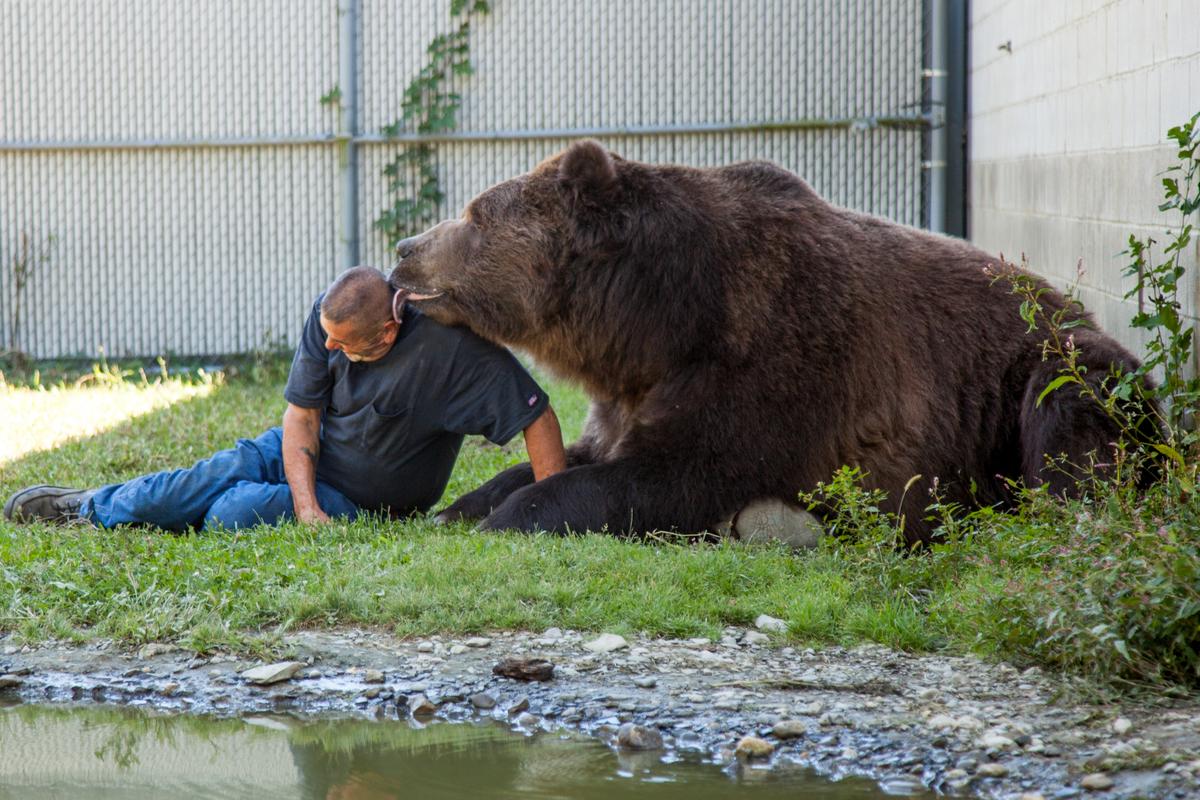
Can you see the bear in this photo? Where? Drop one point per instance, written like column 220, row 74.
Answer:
column 740, row 338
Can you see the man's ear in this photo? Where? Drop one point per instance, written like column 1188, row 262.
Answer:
column 587, row 175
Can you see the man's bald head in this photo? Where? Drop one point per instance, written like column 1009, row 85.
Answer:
column 360, row 296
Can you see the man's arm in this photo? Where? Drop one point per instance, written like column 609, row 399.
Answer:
column 301, row 446
column 543, row 442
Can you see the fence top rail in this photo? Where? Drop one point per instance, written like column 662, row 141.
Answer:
column 899, row 122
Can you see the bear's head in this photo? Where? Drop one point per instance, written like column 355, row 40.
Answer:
column 589, row 262
column 494, row 268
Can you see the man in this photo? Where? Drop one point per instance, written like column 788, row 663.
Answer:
column 379, row 399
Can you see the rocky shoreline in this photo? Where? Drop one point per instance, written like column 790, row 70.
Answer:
column 956, row 725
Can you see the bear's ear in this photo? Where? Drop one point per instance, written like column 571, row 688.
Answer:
column 587, row 174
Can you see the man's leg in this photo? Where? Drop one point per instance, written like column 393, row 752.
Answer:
column 175, row 499
column 248, row 504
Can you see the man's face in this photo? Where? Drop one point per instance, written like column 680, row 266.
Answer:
column 360, row 343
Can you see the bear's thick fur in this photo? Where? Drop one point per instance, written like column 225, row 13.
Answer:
column 741, row 338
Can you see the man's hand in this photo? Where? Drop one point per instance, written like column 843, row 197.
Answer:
column 301, row 447
column 312, row 515
column 543, row 442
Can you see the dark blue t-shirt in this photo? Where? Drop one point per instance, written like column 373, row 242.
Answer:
column 391, row 429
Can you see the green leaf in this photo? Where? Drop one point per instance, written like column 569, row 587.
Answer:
column 1058, row 382
column 1171, row 453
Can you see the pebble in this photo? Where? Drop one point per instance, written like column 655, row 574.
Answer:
column 457, row 649
column 373, row 676
column 1096, row 782
column 754, row 747
column 524, row 669
column 483, row 701
column 994, row 741
column 789, row 729
column 420, row 706
column 639, row 737
column 606, row 643
column 1031, row 796
column 424, row 647
column 478, row 641
column 772, row 624
column 992, row 770
column 552, row 633
column 645, row 681
column 170, row 688
column 273, row 673
column 155, row 649
column 1121, row 726
column 754, row 637
column 519, row 706
column 527, row 720
column 8, row 681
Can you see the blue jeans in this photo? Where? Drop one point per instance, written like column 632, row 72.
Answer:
column 240, row 487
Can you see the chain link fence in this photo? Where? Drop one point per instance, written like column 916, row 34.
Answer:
column 196, row 189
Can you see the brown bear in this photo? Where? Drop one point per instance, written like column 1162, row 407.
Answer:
column 740, row 338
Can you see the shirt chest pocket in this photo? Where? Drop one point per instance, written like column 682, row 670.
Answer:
column 385, row 430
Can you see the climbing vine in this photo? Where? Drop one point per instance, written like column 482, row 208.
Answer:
column 430, row 105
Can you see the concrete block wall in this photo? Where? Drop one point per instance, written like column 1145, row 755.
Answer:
column 1070, row 102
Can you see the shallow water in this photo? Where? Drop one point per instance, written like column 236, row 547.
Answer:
column 92, row 752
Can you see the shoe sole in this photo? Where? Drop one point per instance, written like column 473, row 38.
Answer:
column 10, row 508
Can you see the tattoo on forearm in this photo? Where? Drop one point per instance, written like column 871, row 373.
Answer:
column 311, row 455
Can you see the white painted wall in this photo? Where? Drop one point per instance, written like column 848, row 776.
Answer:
column 1068, row 135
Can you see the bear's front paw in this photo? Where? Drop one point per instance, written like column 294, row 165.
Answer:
column 465, row 509
column 510, row 517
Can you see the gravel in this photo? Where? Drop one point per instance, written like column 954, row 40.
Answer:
column 956, row 725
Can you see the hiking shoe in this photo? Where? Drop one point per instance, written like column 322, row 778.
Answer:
column 59, row 504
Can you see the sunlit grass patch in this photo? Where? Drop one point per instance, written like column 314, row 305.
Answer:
column 42, row 418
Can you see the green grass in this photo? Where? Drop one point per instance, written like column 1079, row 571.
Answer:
column 214, row 588
column 1109, row 587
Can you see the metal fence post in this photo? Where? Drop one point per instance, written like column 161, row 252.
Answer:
column 348, row 36
column 946, row 107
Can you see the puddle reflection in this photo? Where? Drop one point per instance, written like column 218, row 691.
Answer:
column 50, row 752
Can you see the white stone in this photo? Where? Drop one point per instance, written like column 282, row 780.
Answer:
column 1121, row 726
column 606, row 643
column 155, row 649
column 789, row 729
column 552, row 633
column 994, row 741
column 770, row 520
column 754, row 637
column 273, row 673
column 478, row 641
column 768, row 623
column 992, row 770
column 457, row 649
column 425, row 647
column 1097, row 781
column 942, row 721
